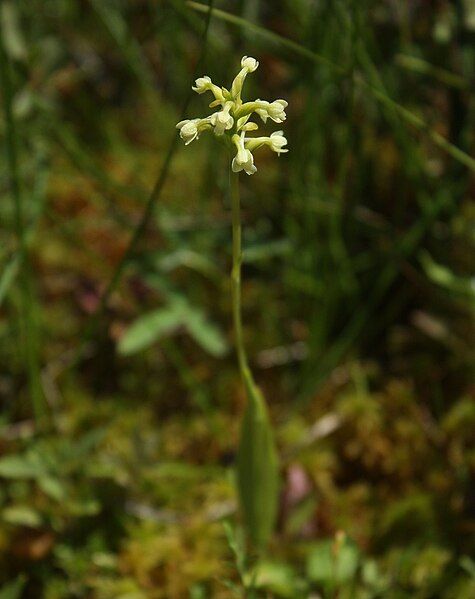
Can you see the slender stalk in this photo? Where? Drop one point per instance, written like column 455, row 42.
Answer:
column 26, row 307
column 236, row 269
column 244, row 369
column 257, row 463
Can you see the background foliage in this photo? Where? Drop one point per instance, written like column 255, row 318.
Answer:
column 358, row 301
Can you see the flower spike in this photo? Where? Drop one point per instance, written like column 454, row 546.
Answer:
column 231, row 121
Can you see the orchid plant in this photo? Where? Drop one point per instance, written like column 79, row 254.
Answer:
column 257, row 465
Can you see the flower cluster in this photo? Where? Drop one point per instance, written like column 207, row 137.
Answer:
column 231, row 122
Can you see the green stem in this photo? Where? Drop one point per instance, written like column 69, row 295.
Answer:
column 27, row 308
column 236, row 269
column 244, row 369
column 257, row 466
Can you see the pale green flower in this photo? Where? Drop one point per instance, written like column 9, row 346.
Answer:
column 222, row 120
column 248, row 65
column 231, row 121
column 275, row 110
column 275, row 142
column 244, row 160
column 191, row 128
column 204, row 84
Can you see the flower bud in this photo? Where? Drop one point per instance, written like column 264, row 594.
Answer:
column 202, row 85
column 249, row 63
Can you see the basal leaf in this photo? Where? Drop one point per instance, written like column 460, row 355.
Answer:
column 257, row 471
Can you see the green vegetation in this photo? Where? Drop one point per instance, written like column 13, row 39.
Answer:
column 121, row 401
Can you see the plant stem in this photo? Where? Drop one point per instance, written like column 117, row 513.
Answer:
column 257, row 466
column 27, row 308
column 244, row 369
column 236, row 269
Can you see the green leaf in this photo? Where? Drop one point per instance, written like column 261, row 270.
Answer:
column 347, row 562
column 257, row 470
column 189, row 259
column 13, row 36
column 320, row 563
column 151, row 327
column 265, row 251
column 468, row 565
column 84, row 507
column 52, row 487
column 278, row 578
column 16, row 466
column 148, row 329
column 443, row 276
column 204, row 332
column 22, row 515
column 7, row 277
column 372, row 577
column 331, row 565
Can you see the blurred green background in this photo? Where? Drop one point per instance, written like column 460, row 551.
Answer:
column 119, row 420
